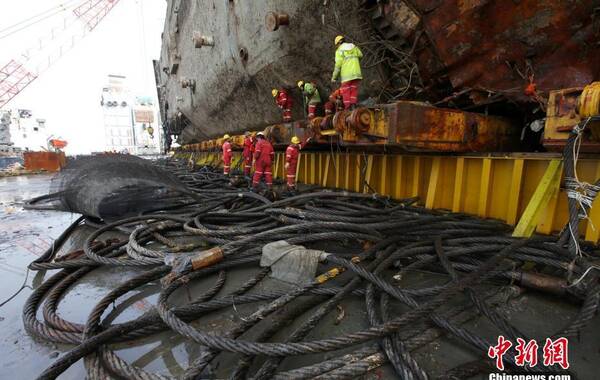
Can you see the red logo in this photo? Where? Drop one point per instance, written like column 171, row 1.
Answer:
column 554, row 352
column 498, row 351
column 526, row 353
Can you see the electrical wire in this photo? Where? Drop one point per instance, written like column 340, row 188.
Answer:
column 54, row 11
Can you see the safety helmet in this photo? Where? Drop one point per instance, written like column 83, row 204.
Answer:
column 295, row 140
column 338, row 39
column 260, row 134
column 274, row 92
column 300, row 83
column 226, row 136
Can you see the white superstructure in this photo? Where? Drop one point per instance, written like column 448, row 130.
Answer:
column 128, row 120
column 21, row 130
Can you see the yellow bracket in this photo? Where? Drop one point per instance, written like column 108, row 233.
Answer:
column 329, row 132
column 539, row 201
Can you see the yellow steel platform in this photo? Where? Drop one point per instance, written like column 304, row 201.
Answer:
column 490, row 186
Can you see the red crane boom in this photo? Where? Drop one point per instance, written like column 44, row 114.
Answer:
column 13, row 79
column 93, row 11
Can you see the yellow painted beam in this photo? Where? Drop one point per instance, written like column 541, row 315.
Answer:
column 368, row 171
column 433, row 182
column 484, row 189
column 276, row 165
column 306, row 161
column 458, row 185
column 313, row 160
column 357, row 174
column 337, row 171
column 539, row 200
column 592, row 231
column 383, row 176
column 514, row 194
column 326, row 171
column 300, row 158
column 320, row 175
column 547, row 216
column 416, row 176
column 347, row 172
column 398, row 174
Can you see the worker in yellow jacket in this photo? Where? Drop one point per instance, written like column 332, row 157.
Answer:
column 347, row 65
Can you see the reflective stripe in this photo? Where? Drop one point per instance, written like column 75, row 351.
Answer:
column 291, row 176
column 268, row 173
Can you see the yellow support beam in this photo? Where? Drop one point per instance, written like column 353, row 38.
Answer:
column 514, row 196
column 539, row 200
column 300, row 158
column 313, row 168
column 347, row 172
column 357, row 174
column 398, row 175
column 276, row 165
column 306, row 161
column 416, row 176
column 368, row 173
column 459, row 181
column 547, row 218
column 383, row 176
column 326, row 171
column 337, row 171
column 592, row 231
column 433, row 182
column 484, row 190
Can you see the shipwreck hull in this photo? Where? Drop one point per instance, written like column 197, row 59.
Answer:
column 220, row 60
column 234, row 78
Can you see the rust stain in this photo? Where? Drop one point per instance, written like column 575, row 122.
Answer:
column 488, row 44
column 49, row 161
column 446, row 130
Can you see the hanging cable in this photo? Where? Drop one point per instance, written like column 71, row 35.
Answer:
column 54, row 11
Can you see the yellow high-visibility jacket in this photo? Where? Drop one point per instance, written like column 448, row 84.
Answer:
column 347, row 62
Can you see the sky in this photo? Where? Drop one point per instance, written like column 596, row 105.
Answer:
column 68, row 93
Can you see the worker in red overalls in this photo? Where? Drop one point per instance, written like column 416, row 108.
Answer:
column 335, row 103
column 226, row 154
column 247, row 152
column 292, row 153
column 283, row 101
column 263, row 158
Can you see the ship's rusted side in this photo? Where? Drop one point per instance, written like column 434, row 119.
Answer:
column 501, row 45
column 497, row 46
